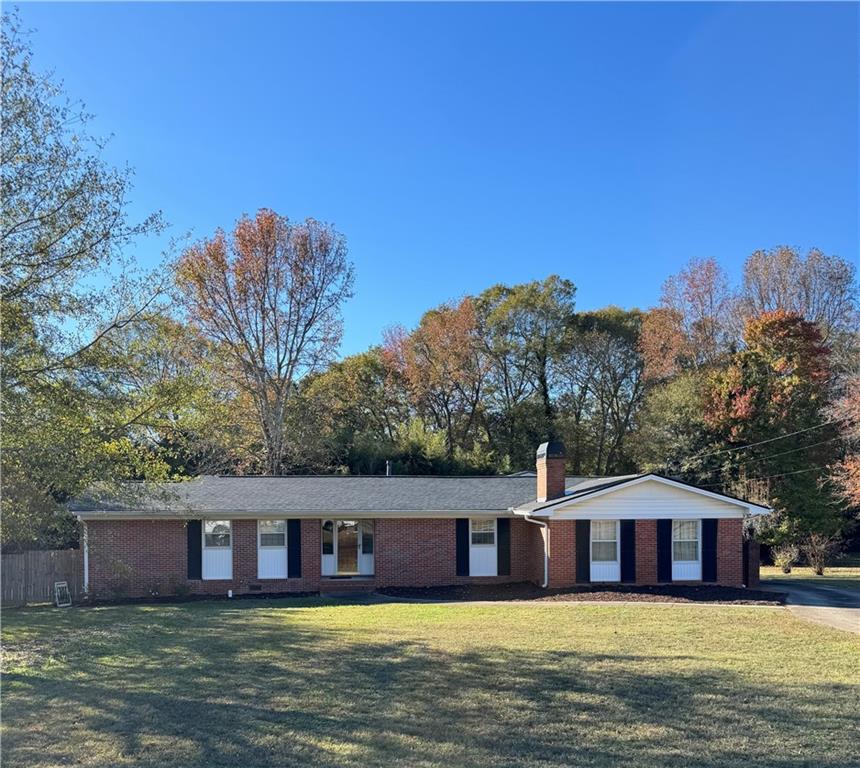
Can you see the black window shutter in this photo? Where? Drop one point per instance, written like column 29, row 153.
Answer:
column 462, row 546
column 664, row 550
column 294, row 549
column 194, row 543
column 583, row 551
column 628, row 550
column 709, row 550
column 503, row 547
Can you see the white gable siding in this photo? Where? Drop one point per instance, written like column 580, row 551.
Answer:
column 649, row 500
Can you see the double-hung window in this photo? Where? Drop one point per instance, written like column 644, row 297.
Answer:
column 604, row 541
column 217, row 549
column 605, row 565
column 483, row 533
column 686, row 550
column 272, row 549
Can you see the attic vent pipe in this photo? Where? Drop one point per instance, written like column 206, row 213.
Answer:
column 388, row 468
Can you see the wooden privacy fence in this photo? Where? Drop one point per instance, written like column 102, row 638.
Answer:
column 28, row 577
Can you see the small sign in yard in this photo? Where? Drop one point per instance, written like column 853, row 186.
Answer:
column 62, row 596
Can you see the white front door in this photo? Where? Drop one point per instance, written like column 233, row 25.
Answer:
column 347, row 547
column 605, row 562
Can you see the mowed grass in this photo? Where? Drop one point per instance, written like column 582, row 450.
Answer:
column 843, row 577
column 310, row 683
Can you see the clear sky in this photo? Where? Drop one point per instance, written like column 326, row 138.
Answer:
column 460, row 145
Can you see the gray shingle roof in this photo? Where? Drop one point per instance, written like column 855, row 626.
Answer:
column 310, row 494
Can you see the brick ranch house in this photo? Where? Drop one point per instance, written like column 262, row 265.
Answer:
column 237, row 535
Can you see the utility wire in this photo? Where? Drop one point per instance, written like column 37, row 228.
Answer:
column 762, row 442
column 766, row 477
column 793, row 450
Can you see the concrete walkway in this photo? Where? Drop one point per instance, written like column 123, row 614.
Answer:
column 831, row 606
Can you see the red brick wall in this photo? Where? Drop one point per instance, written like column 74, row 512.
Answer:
column 646, row 551
column 422, row 552
column 730, row 554
column 562, row 553
column 137, row 558
column 562, row 567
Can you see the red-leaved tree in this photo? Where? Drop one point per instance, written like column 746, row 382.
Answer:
column 269, row 297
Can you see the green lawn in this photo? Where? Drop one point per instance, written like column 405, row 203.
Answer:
column 843, row 577
column 309, row 683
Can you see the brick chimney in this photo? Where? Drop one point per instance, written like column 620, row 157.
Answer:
column 550, row 471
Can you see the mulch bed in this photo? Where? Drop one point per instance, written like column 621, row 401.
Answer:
column 610, row 592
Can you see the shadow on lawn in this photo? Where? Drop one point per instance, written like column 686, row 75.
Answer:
column 180, row 691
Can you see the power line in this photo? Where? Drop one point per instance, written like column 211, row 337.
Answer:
column 766, row 477
column 762, row 442
column 792, row 450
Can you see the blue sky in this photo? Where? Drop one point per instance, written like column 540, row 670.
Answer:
column 461, row 145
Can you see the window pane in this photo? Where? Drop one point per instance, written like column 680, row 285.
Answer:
column 272, row 540
column 328, row 538
column 366, row 537
column 273, row 526
column 603, row 530
column 603, row 551
column 685, row 550
column 685, row 530
column 484, row 532
column 217, row 533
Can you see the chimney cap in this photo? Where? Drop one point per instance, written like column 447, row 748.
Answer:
column 551, row 450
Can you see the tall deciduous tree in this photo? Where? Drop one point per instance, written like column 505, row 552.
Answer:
column 691, row 328
column 525, row 329
column 270, row 295
column 818, row 287
column 846, row 411
column 600, row 389
column 72, row 407
column 443, row 364
column 778, row 387
column 63, row 217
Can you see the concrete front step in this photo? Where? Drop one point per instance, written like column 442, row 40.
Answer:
column 350, row 586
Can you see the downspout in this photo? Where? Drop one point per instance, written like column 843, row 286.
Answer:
column 525, row 516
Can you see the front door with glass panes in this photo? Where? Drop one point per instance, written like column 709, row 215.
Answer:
column 347, row 548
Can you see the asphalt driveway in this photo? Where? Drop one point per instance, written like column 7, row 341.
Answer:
column 834, row 607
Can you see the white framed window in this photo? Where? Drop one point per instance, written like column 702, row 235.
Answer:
column 272, row 549
column 685, row 541
column 217, row 549
column 483, row 533
column 216, row 533
column 604, row 541
column 273, row 533
column 686, row 550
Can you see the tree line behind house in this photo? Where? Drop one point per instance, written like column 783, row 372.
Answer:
column 225, row 360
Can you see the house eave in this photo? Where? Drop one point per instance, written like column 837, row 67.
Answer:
column 269, row 514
